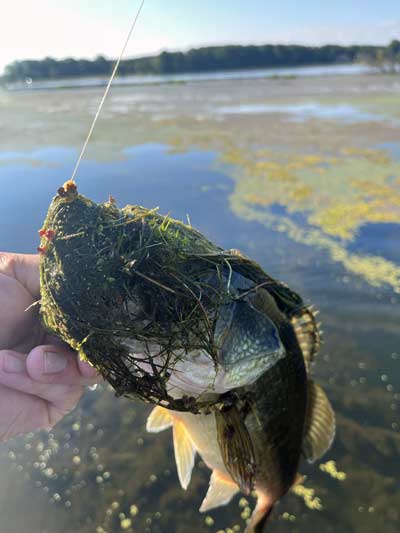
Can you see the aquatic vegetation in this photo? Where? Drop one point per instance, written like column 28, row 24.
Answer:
column 160, row 311
column 309, row 497
column 334, row 197
column 330, row 468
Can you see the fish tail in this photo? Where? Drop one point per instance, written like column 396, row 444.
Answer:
column 260, row 514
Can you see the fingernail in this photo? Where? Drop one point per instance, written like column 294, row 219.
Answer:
column 54, row 363
column 13, row 365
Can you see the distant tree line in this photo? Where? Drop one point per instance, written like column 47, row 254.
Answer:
column 200, row 60
column 385, row 59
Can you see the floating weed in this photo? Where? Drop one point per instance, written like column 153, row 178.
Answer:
column 126, row 523
column 134, row 510
column 308, row 495
column 336, row 194
column 330, row 468
column 288, row 516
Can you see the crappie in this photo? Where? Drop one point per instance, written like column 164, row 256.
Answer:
column 256, row 438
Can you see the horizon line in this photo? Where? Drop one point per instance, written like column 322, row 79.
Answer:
column 198, row 47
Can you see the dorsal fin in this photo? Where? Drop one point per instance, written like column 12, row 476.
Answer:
column 220, row 491
column 319, row 425
column 184, row 453
column 308, row 334
column 158, row 420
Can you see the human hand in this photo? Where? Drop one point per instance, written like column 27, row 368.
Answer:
column 41, row 380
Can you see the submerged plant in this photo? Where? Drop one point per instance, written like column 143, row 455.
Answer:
column 136, row 293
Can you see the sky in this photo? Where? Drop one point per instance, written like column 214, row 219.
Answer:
column 84, row 28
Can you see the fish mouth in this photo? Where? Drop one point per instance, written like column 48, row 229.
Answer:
column 196, row 374
column 200, row 376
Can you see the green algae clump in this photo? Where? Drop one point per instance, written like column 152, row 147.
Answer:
column 133, row 291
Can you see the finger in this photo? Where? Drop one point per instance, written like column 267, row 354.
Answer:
column 85, row 369
column 14, row 321
column 57, row 364
column 14, row 375
column 33, row 337
column 89, row 372
column 24, row 268
column 21, row 413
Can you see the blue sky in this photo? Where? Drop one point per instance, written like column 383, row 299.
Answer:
column 36, row 28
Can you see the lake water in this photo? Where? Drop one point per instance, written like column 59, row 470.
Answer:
column 316, row 201
column 101, row 81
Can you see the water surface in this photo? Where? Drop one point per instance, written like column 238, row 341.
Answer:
column 149, row 79
column 317, row 203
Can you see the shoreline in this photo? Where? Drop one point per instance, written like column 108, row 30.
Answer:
column 86, row 82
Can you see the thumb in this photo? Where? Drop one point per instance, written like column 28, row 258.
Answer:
column 57, row 364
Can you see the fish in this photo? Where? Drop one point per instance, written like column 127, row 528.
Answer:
column 247, row 344
column 174, row 310
column 257, row 438
column 191, row 327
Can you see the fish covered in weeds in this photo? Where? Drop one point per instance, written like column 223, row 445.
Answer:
column 168, row 317
column 164, row 314
column 257, row 437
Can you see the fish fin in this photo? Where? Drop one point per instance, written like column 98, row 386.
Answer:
column 185, row 453
column 260, row 514
column 220, row 491
column 319, row 425
column 308, row 334
column 158, row 420
column 236, row 447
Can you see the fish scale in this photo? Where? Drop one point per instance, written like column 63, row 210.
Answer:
column 276, row 421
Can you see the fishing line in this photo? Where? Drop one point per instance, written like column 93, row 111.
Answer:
column 106, row 92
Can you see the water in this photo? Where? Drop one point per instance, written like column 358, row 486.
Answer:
column 341, row 112
column 316, row 203
column 318, row 70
